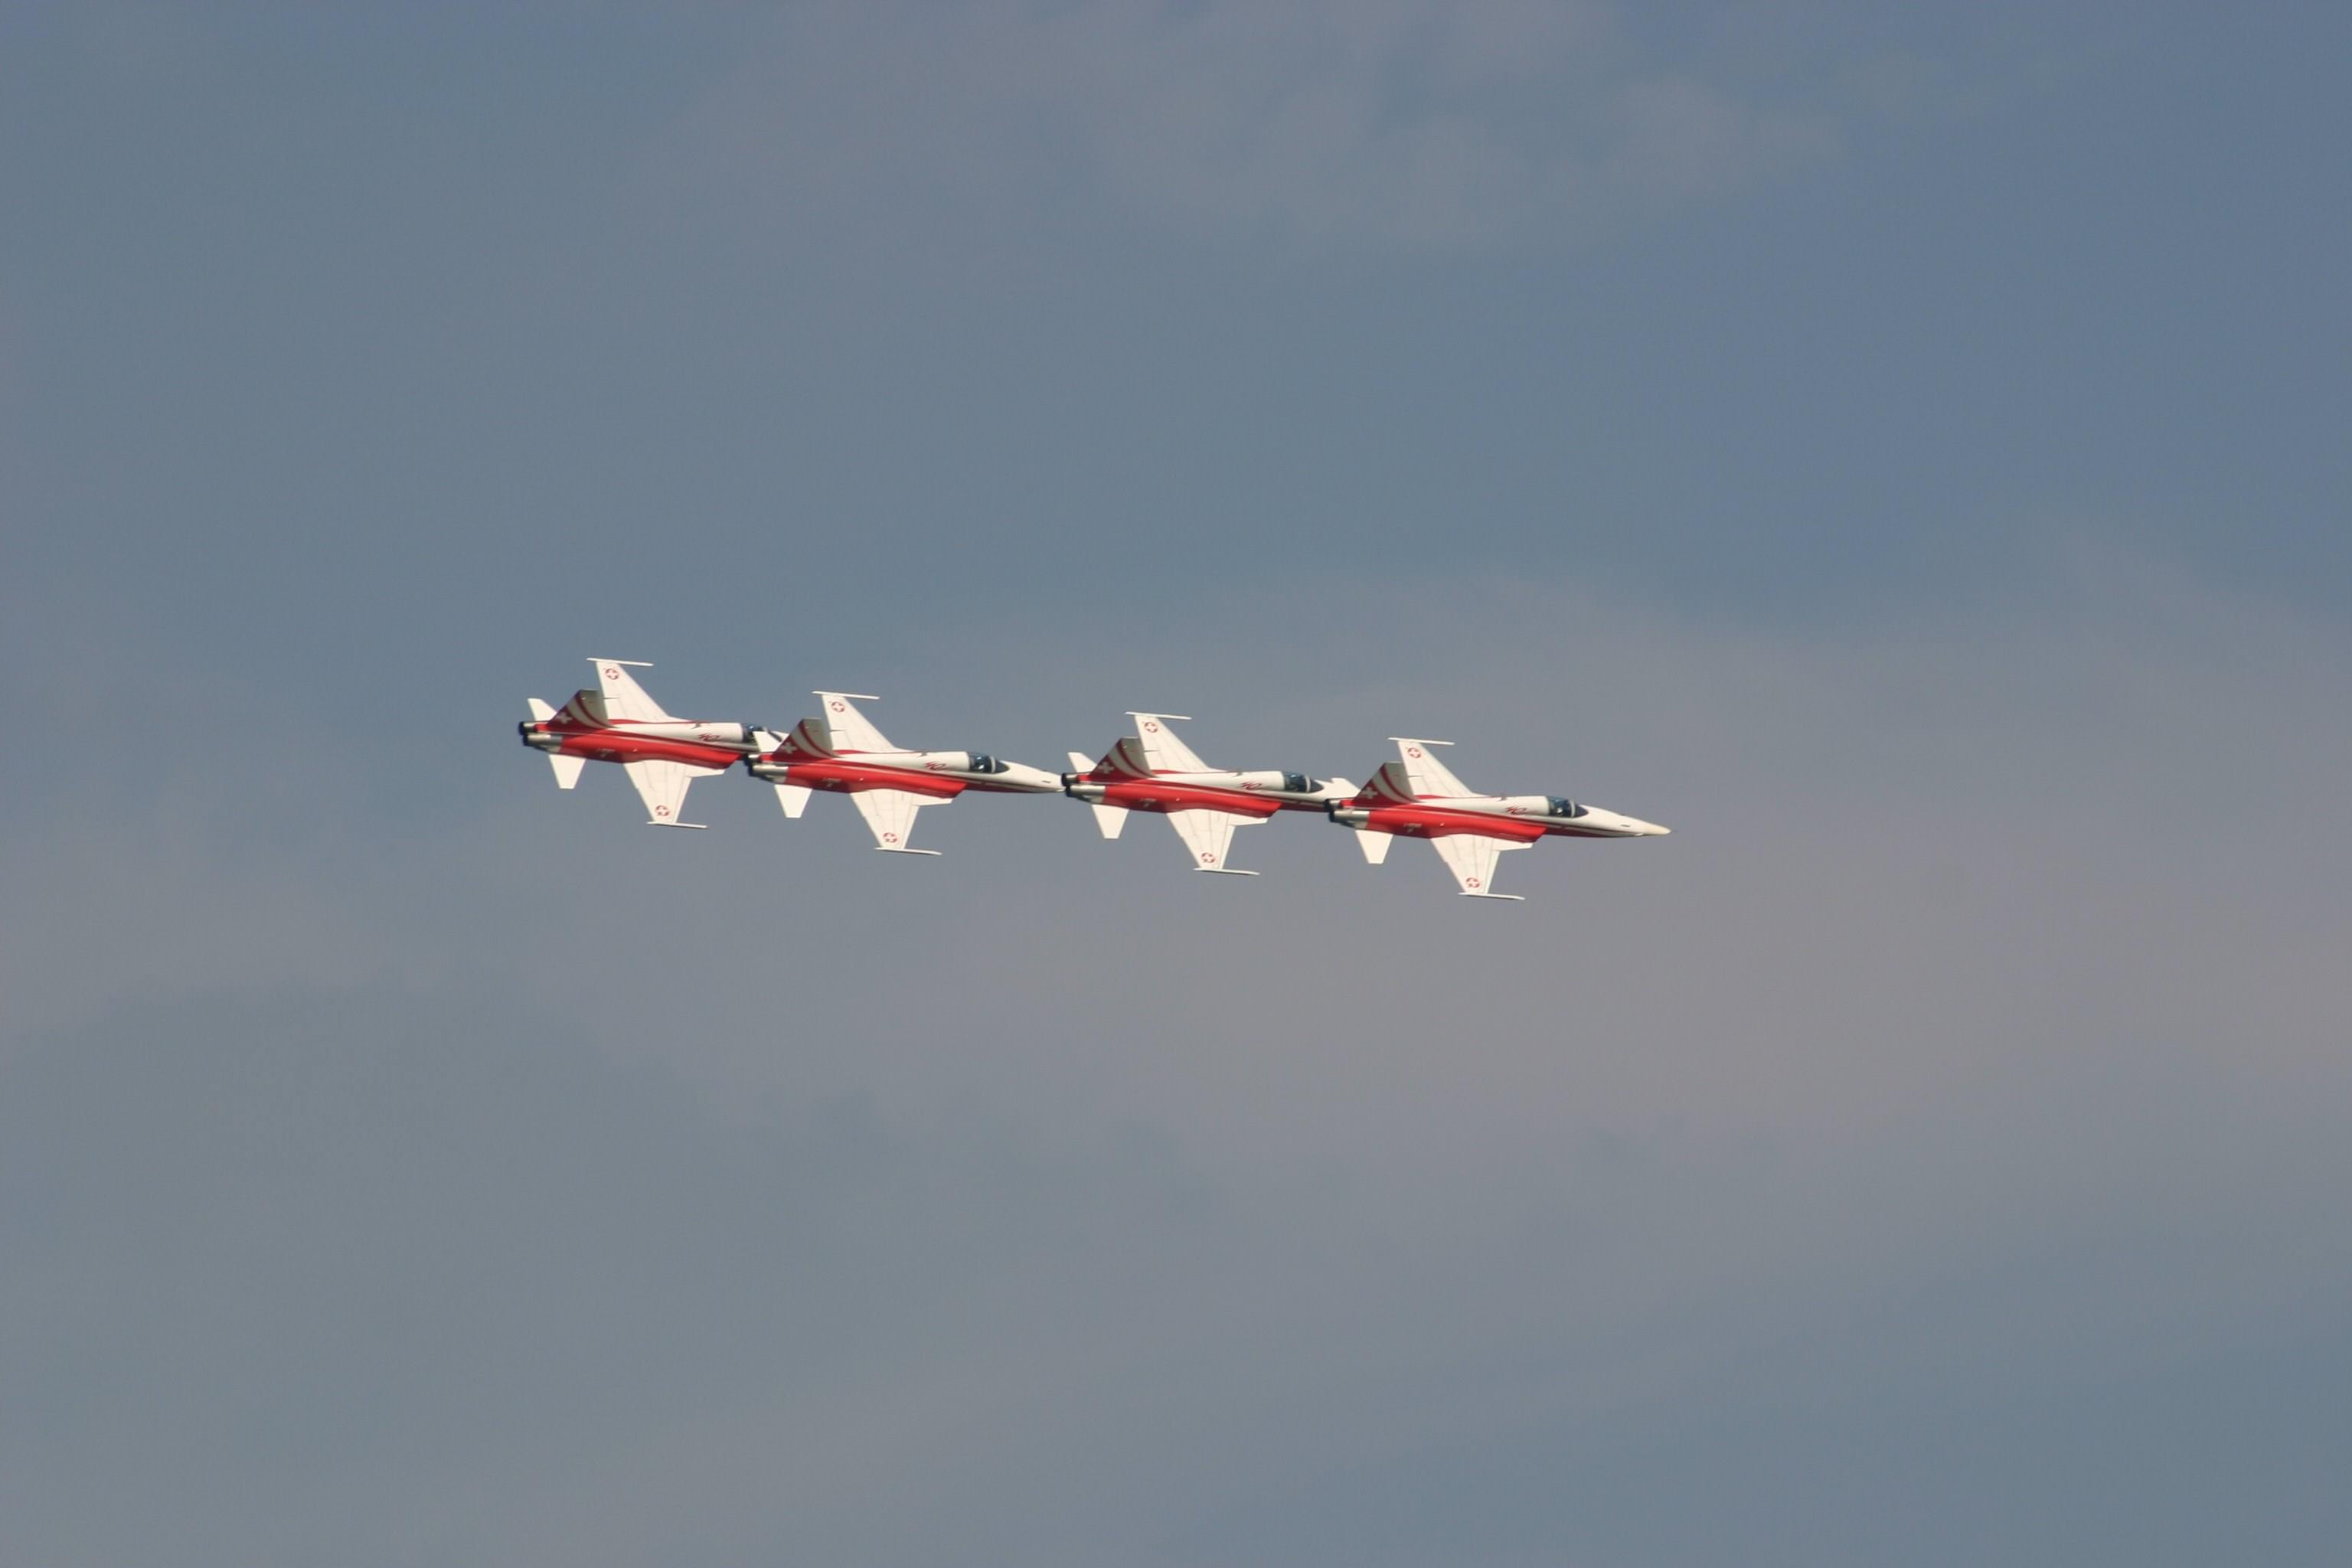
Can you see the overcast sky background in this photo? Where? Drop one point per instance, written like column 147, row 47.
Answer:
column 1901, row 449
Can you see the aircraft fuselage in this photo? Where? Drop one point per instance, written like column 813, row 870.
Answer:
column 698, row 744
column 940, row 774
column 1519, row 819
column 1258, row 795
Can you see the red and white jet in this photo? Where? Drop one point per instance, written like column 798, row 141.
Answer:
column 840, row 749
column 1417, row 797
column 661, row 754
column 1151, row 770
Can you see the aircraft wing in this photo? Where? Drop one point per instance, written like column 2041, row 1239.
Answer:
column 1161, row 748
column 662, row 785
column 1207, row 833
column 846, row 729
column 625, row 699
column 1430, row 777
column 1470, row 858
column 890, row 812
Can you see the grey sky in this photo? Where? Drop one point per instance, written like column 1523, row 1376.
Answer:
column 1901, row 451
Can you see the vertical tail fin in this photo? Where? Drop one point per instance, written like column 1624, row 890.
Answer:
column 586, row 708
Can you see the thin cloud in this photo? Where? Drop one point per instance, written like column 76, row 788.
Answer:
column 1410, row 125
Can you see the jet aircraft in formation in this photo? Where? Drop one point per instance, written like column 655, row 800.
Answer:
column 1151, row 770
column 840, row 750
column 661, row 754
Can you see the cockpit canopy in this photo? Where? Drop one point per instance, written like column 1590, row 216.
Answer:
column 981, row 762
column 1563, row 807
column 1300, row 784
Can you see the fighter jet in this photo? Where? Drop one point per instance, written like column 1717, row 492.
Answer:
column 840, row 749
column 1151, row 770
column 661, row 754
column 1417, row 797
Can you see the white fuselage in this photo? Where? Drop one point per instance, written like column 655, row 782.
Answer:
column 804, row 757
column 1589, row 821
column 1267, row 784
column 1389, row 802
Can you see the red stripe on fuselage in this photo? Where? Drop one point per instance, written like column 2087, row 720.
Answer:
column 619, row 746
column 1158, row 794
column 1422, row 822
column 847, row 777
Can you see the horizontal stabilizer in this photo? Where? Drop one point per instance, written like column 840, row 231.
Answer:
column 902, row 849
column 567, row 769
column 1109, row 818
